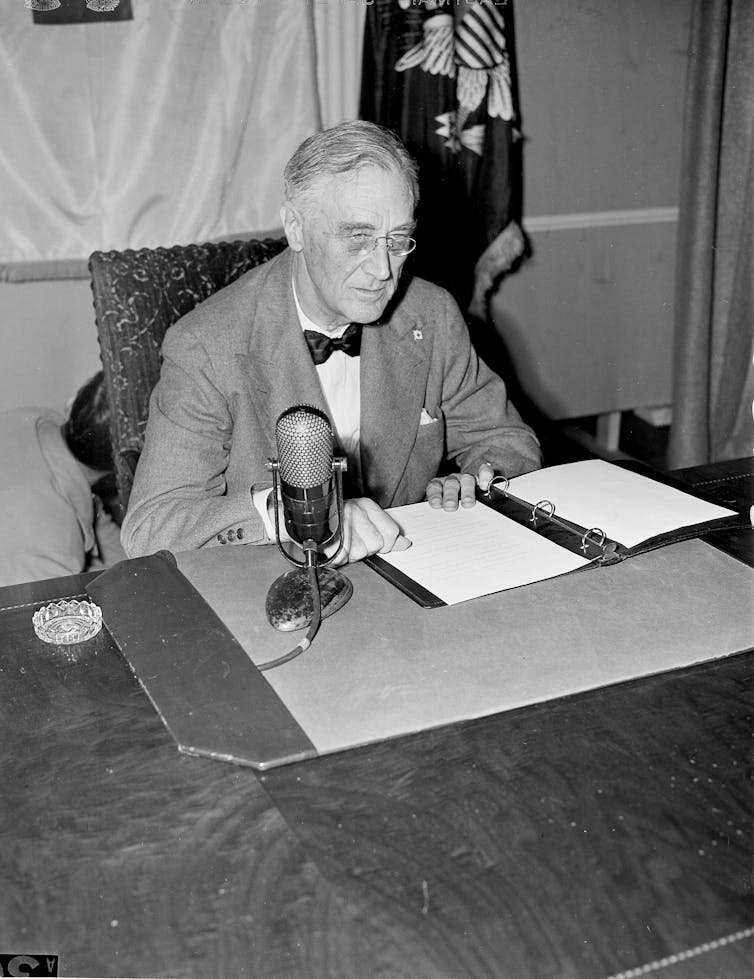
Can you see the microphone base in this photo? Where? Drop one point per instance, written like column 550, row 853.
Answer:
column 289, row 600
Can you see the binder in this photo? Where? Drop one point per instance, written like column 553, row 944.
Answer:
column 592, row 542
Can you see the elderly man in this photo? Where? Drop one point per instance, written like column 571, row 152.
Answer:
column 402, row 384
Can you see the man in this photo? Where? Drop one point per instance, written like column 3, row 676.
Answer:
column 50, row 521
column 409, row 393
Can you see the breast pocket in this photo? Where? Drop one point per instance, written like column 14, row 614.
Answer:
column 425, row 459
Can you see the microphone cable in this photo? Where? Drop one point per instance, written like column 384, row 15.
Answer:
column 311, row 632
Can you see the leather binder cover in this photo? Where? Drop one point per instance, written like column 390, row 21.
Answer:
column 382, row 667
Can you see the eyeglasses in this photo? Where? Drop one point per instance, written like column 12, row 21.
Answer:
column 363, row 244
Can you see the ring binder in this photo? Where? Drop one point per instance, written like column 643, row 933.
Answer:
column 542, row 504
column 595, row 544
column 554, row 527
column 587, row 538
column 494, row 481
column 637, row 512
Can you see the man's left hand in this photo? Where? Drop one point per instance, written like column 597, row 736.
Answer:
column 448, row 491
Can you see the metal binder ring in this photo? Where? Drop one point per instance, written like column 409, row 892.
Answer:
column 498, row 479
column 542, row 505
column 589, row 538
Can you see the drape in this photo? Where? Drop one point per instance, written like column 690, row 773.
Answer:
column 339, row 31
column 166, row 129
column 713, row 380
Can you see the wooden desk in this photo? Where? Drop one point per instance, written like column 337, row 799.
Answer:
column 585, row 837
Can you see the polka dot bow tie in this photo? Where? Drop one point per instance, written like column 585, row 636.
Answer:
column 321, row 345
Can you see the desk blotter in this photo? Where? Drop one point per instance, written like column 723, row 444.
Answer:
column 382, row 667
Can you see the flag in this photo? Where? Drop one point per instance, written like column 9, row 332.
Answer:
column 440, row 73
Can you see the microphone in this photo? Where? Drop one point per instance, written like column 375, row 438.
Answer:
column 308, row 480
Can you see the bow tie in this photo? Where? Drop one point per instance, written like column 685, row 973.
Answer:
column 321, row 345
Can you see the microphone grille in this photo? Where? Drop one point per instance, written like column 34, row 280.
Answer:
column 305, row 446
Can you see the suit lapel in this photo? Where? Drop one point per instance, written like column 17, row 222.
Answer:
column 392, row 396
column 278, row 364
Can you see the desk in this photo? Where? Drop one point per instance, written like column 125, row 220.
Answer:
column 584, row 837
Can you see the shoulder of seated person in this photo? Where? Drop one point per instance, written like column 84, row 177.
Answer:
column 420, row 291
column 219, row 312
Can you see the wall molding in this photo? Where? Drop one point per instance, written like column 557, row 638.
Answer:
column 600, row 219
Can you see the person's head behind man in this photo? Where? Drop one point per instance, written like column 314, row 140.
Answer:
column 87, row 428
column 350, row 196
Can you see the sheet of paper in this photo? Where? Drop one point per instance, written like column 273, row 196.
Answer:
column 473, row 552
column 628, row 507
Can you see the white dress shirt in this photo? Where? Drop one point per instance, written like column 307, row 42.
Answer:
column 341, row 385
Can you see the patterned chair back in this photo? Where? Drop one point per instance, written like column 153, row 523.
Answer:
column 137, row 296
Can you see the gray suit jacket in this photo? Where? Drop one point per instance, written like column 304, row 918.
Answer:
column 234, row 363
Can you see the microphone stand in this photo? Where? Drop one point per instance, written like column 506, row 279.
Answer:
column 313, row 590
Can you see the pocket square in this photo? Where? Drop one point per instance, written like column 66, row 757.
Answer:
column 425, row 418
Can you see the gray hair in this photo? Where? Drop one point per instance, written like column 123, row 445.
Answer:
column 344, row 148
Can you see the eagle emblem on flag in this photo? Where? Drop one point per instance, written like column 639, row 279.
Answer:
column 474, row 54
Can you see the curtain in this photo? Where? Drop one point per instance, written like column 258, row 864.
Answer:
column 713, row 381
column 339, row 29
column 441, row 75
column 169, row 128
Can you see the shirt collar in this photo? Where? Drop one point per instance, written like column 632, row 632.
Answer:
column 309, row 324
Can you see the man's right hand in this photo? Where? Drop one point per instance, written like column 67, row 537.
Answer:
column 367, row 530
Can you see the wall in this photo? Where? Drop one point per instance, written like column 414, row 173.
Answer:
column 588, row 320
column 49, row 342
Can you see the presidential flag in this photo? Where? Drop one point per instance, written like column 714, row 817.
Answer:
column 441, row 74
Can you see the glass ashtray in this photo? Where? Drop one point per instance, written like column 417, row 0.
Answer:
column 67, row 622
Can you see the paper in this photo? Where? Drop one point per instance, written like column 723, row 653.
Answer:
column 471, row 552
column 628, row 507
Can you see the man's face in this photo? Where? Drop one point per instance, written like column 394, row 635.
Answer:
column 333, row 286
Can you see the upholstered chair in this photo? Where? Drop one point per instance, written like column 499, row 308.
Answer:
column 138, row 295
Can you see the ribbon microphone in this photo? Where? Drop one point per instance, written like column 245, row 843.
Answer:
column 308, row 481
